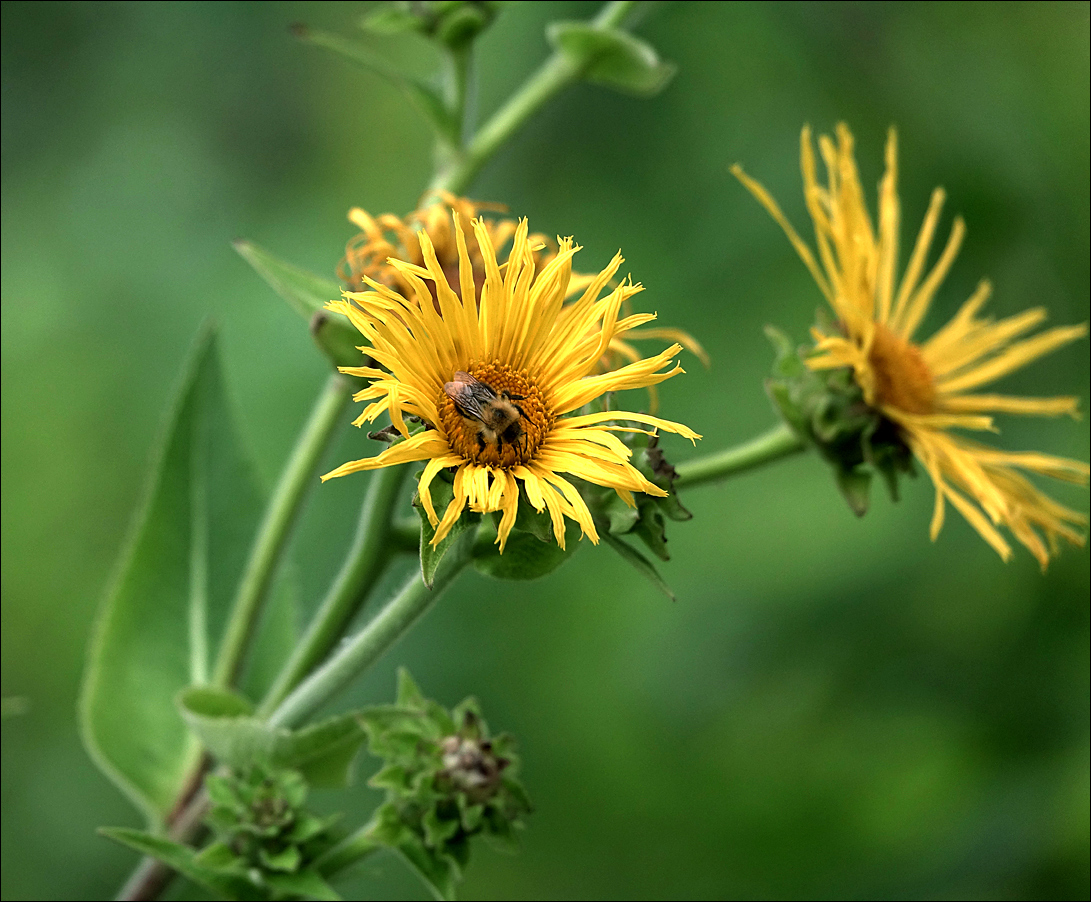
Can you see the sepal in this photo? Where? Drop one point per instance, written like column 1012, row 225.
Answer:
column 827, row 410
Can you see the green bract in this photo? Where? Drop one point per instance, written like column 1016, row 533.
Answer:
column 827, row 410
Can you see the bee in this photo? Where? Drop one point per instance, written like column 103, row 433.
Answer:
column 493, row 417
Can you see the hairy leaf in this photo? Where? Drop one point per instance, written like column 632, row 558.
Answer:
column 173, row 589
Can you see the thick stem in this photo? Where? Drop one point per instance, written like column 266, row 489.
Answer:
column 280, row 515
column 365, row 562
column 778, row 442
column 359, row 652
column 557, row 73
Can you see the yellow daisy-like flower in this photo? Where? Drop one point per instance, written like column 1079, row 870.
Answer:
column 387, row 237
column 534, row 355
column 927, row 388
column 368, row 253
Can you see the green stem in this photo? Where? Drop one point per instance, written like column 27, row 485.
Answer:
column 359, row 652
column 276, row 526
column 365, row 562
column 778, row 442
column 557, row 73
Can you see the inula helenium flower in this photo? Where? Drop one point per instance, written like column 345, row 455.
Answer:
column 495, row 372
column 926, row 388
column 387, row 236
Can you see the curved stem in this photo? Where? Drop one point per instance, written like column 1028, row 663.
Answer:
column 276, row 526
column 778, row 442
column 359, row 652
column 555, row 74
column 365, row 562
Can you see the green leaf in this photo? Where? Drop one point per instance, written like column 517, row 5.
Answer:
column 307, row 884
column 424, row 97
column 183, row 859
column 437, row 830
column 439, row 873
column 323, row 752
column 854, row 486
column 286, row 860
column 613, row 58
column 525, row 556
column 619, row 515
column 223, row 721
column 173, row 589
column 431, row 555
column 385, row 20
column 307, row 294
column 211, row 702
column 408, row 693
column 643, row 566
column 650, row 530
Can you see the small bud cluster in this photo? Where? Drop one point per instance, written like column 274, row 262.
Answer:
column 446, row 781
column 258, row 817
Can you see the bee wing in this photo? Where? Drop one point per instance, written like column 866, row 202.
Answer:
column 471, row 396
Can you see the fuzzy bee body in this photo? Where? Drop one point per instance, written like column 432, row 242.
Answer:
column 493, row 417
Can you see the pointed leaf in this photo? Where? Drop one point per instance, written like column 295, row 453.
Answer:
column 643, row 566
column 222, row 720
column 613, row 58
column 855, row 486
column 172, row 592
column 424, row 97
column 408, row 692
column 304, row 291
column 650, row 530
column 323, row 752
column 184, row 860
column 307, row 294
column 307, row 884
column 438, row 872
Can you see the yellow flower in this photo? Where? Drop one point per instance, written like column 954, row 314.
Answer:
column 926, row 388
column 368, row 254
column 516, row 335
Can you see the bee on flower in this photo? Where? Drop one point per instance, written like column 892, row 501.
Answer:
column 927, row 388
column 382, row 239
column 498, row 370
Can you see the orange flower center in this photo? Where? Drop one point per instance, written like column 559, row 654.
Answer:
column 499, row 422
column 902, row 378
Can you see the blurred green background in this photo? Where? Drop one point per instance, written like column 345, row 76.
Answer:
column 834, row 707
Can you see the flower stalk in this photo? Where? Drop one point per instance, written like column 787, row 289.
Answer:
column 280, row 515
column 365, row 562
column 362, row 650
column 556, row 74
column 778, row 442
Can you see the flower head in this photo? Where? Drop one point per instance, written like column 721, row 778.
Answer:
column 496, row 372
column 927, row 388
column 368, row 256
